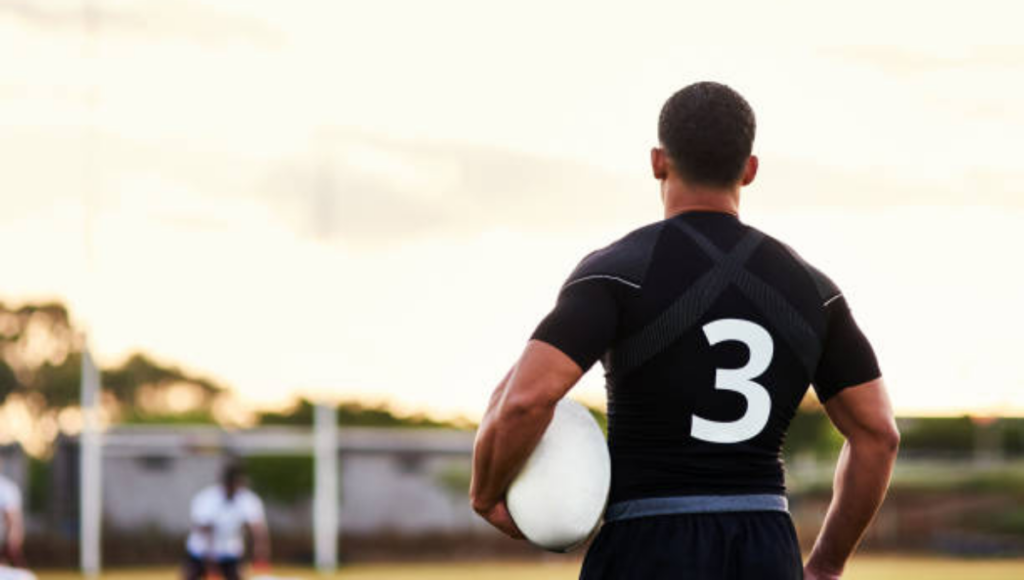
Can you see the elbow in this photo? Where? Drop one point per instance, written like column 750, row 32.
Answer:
column 526, row 404
column 880, row 442
column 892, row 440
column 887, row 440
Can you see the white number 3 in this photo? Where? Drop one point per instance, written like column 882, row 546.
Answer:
column 759, row 343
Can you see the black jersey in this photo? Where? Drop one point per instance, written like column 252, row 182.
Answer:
column 710, row 333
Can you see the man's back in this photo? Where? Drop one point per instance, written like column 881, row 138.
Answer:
column 716, row 332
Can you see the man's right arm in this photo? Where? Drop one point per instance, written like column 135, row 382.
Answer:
column 864, row 416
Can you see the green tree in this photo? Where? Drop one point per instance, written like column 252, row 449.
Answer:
column 148, row 392
column 40, row 369
column 39, row 350
column 357, row 414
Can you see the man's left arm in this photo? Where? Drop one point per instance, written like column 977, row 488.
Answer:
column 257, row 523
column 260, row 544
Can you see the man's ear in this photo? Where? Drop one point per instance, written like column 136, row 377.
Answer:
column 659, row 163
column 749, row 171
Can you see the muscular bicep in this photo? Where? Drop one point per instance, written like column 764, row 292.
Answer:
column 543, row 375
column 863, row 411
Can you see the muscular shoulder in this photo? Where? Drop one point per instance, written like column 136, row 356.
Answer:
column 625, row 260
column 248, row 496
column 826, row 288
column 207, row 495
column 251, row 505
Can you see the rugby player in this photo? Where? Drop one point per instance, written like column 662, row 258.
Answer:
column 710, row 333
column 12, row 528
column 220, row 514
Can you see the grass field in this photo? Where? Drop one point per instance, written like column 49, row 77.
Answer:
column 863, row 568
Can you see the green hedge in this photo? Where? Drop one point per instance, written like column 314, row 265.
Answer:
column 282, row 478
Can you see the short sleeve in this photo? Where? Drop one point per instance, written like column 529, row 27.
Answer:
column 201, row 511
column 253, row 509
column 10, row 498
column 847, row 358
column 583, row 322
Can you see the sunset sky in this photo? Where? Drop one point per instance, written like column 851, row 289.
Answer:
column 381, row 199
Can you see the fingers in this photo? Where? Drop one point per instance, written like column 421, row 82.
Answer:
column 499, row 517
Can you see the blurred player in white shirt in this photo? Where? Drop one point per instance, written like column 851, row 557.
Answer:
column 220, row 514
column 12, row 529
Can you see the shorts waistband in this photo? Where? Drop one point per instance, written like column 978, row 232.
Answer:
column 695, row 504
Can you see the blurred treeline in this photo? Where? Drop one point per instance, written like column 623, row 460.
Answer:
column 40, row 371
column 811, row 434
column 40, row 375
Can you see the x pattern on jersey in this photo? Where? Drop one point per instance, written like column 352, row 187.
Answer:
column 687, row 310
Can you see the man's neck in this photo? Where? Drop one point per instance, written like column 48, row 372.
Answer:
column 679, row 197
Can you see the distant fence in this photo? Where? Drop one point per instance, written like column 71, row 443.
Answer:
column 403, row 494
column 394, row 484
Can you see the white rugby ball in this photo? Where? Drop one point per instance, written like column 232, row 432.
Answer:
column 558, row 497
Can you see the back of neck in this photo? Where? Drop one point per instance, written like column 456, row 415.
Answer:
column 679, row 197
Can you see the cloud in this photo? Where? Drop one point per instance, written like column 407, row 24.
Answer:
column 972, row 83
column 63, row 15
column 802, row 184
column 155, row 21
column 899, row 60
column 369, row 189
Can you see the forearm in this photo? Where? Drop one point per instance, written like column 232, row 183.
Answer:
column 261, row 545
column 504, row 442
column 15, row 527
column 861, row 480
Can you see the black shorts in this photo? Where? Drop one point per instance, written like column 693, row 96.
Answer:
column 715, row 546
column 198, row 569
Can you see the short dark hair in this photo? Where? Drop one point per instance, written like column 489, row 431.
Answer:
column 708, row 131
column 233, row 473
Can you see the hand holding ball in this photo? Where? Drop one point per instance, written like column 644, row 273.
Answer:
column 559, row 496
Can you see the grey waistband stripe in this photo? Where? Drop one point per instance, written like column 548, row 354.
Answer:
column 695, row 504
